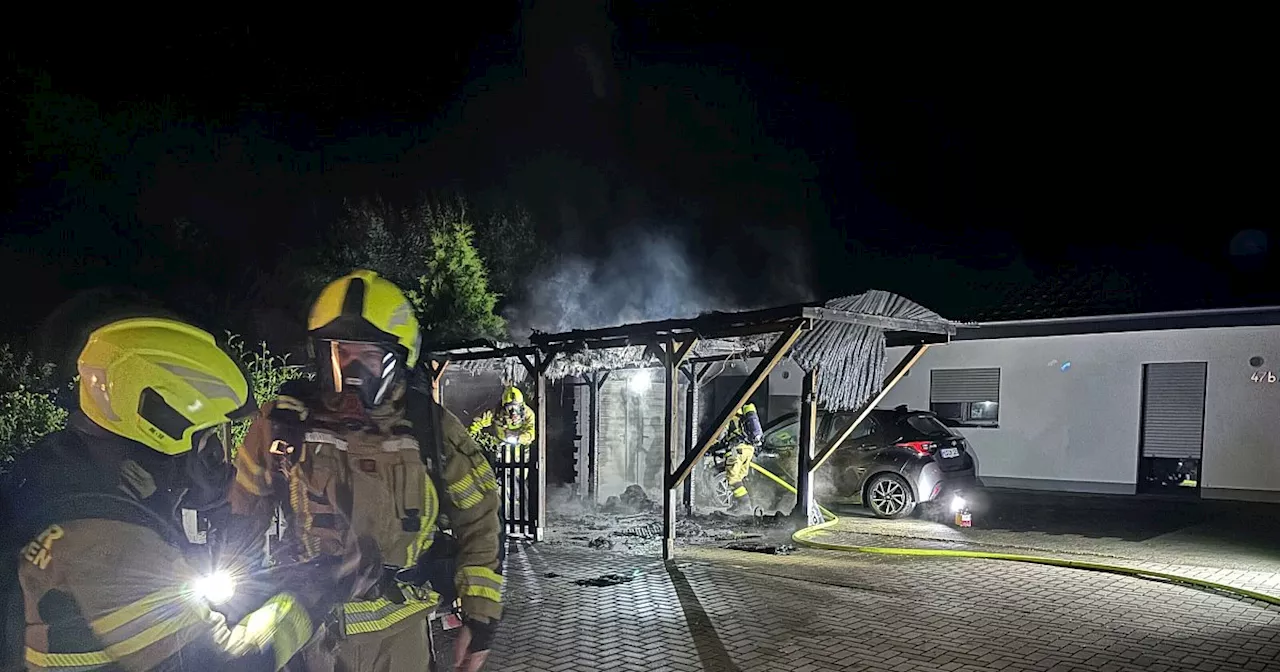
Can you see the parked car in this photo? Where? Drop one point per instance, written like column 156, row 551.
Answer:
column 895, row 459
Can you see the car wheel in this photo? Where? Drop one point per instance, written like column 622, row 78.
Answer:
column 889, row 496
column 713, row 489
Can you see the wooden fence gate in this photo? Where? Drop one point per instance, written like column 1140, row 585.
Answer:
column 517, row 484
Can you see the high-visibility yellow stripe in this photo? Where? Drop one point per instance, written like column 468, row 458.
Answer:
column 471, row 488
column 247, row 481
column 131, row 612
column 292, row 404
column 150, row 636
column 430, row 511
column 374, row 615
column 740, row 491
column 484, row 592
column 67, row 661
column 293, row 630
column 247, row 464
column 481, row 582
column 483, row 573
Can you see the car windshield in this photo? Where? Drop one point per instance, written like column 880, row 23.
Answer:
column 783, row 436
column 927, row 425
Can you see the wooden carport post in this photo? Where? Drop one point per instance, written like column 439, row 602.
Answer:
column 694, row 374
column 595, row 381
column 673, row 354
column 805, row 508
column 537, row 368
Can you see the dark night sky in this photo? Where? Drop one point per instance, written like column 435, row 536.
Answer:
column 948, row 162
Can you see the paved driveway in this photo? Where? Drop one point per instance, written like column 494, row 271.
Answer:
column 731, row 610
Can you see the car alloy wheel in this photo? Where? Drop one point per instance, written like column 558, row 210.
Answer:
column 889, row 497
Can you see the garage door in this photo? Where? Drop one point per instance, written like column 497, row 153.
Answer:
column 1173, row 409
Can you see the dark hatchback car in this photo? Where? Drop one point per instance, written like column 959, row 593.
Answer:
column 893, row 461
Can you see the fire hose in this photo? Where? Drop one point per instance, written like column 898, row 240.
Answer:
column 804, row 537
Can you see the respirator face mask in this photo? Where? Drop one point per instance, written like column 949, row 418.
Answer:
column 366, row 371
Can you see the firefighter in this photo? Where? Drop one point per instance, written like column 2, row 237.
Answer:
column 742, row 436
column 104, row 578
column 512, row 423
column 359, row 457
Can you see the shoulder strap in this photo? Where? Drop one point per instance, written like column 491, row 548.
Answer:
column 425, row 415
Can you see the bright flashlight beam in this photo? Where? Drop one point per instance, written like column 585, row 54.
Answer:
column 217, row 587
column 639, row 381
column 957, row 503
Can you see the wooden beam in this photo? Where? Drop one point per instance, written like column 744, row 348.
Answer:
column 670, row 441
column 692, row 397
column 539, row 498
column 593, row 436
column 897, row 374
column 530, row 365
column 711, row 325
column 436, row 368
column 749, row 386
column 881, row 322
column 805, row 506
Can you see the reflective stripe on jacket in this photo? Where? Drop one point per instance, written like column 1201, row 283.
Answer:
column 371, row 483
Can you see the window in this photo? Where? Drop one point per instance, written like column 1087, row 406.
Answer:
column 838, row 423
column 965, row 397
column 783, row 438
column 927, row 425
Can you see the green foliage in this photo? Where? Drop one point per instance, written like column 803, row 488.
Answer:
column 430, row 250
column 267, row 372
column 28, row 402
column 452, row 298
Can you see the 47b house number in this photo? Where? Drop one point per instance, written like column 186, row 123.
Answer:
column 1263, row 377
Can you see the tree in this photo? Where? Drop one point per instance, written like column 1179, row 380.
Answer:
column 28, row 403
column 429, row 249
column 452, row 298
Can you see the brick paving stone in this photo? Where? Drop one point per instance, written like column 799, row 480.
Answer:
column 739, row 612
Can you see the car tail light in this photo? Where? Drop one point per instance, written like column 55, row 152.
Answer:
column 922, row 447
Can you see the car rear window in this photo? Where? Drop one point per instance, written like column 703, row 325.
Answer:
column 928, row 425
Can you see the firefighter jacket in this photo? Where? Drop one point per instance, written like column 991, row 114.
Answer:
column 502, row 426
column 105, row 582
column 342, row 489
column 745, row 427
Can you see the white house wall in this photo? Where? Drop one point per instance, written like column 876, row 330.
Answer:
column 1078, row 429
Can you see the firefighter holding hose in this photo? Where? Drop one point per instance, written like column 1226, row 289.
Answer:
column 742, row 437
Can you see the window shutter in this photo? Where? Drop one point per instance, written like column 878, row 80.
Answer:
column 948, row 386
column 1173, row 414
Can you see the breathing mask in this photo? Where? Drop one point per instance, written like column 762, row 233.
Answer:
column 357, row 370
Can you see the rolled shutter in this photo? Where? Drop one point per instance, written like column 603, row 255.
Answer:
column 1173, row 413
column 949, row 386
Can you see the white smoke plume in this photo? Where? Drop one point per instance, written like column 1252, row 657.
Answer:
column 649, row 273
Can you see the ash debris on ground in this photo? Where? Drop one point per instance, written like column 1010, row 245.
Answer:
column 632, row 523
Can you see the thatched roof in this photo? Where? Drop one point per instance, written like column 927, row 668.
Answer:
column 845, row 340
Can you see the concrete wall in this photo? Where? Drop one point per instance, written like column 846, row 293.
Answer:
column 1078, row 429
column 631, row 434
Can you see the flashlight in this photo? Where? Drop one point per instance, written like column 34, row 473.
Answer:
column 216, row 588
column 957, row 504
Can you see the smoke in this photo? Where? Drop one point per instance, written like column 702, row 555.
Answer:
column 654, row 273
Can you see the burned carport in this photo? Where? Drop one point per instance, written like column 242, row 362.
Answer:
column 840, row 347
